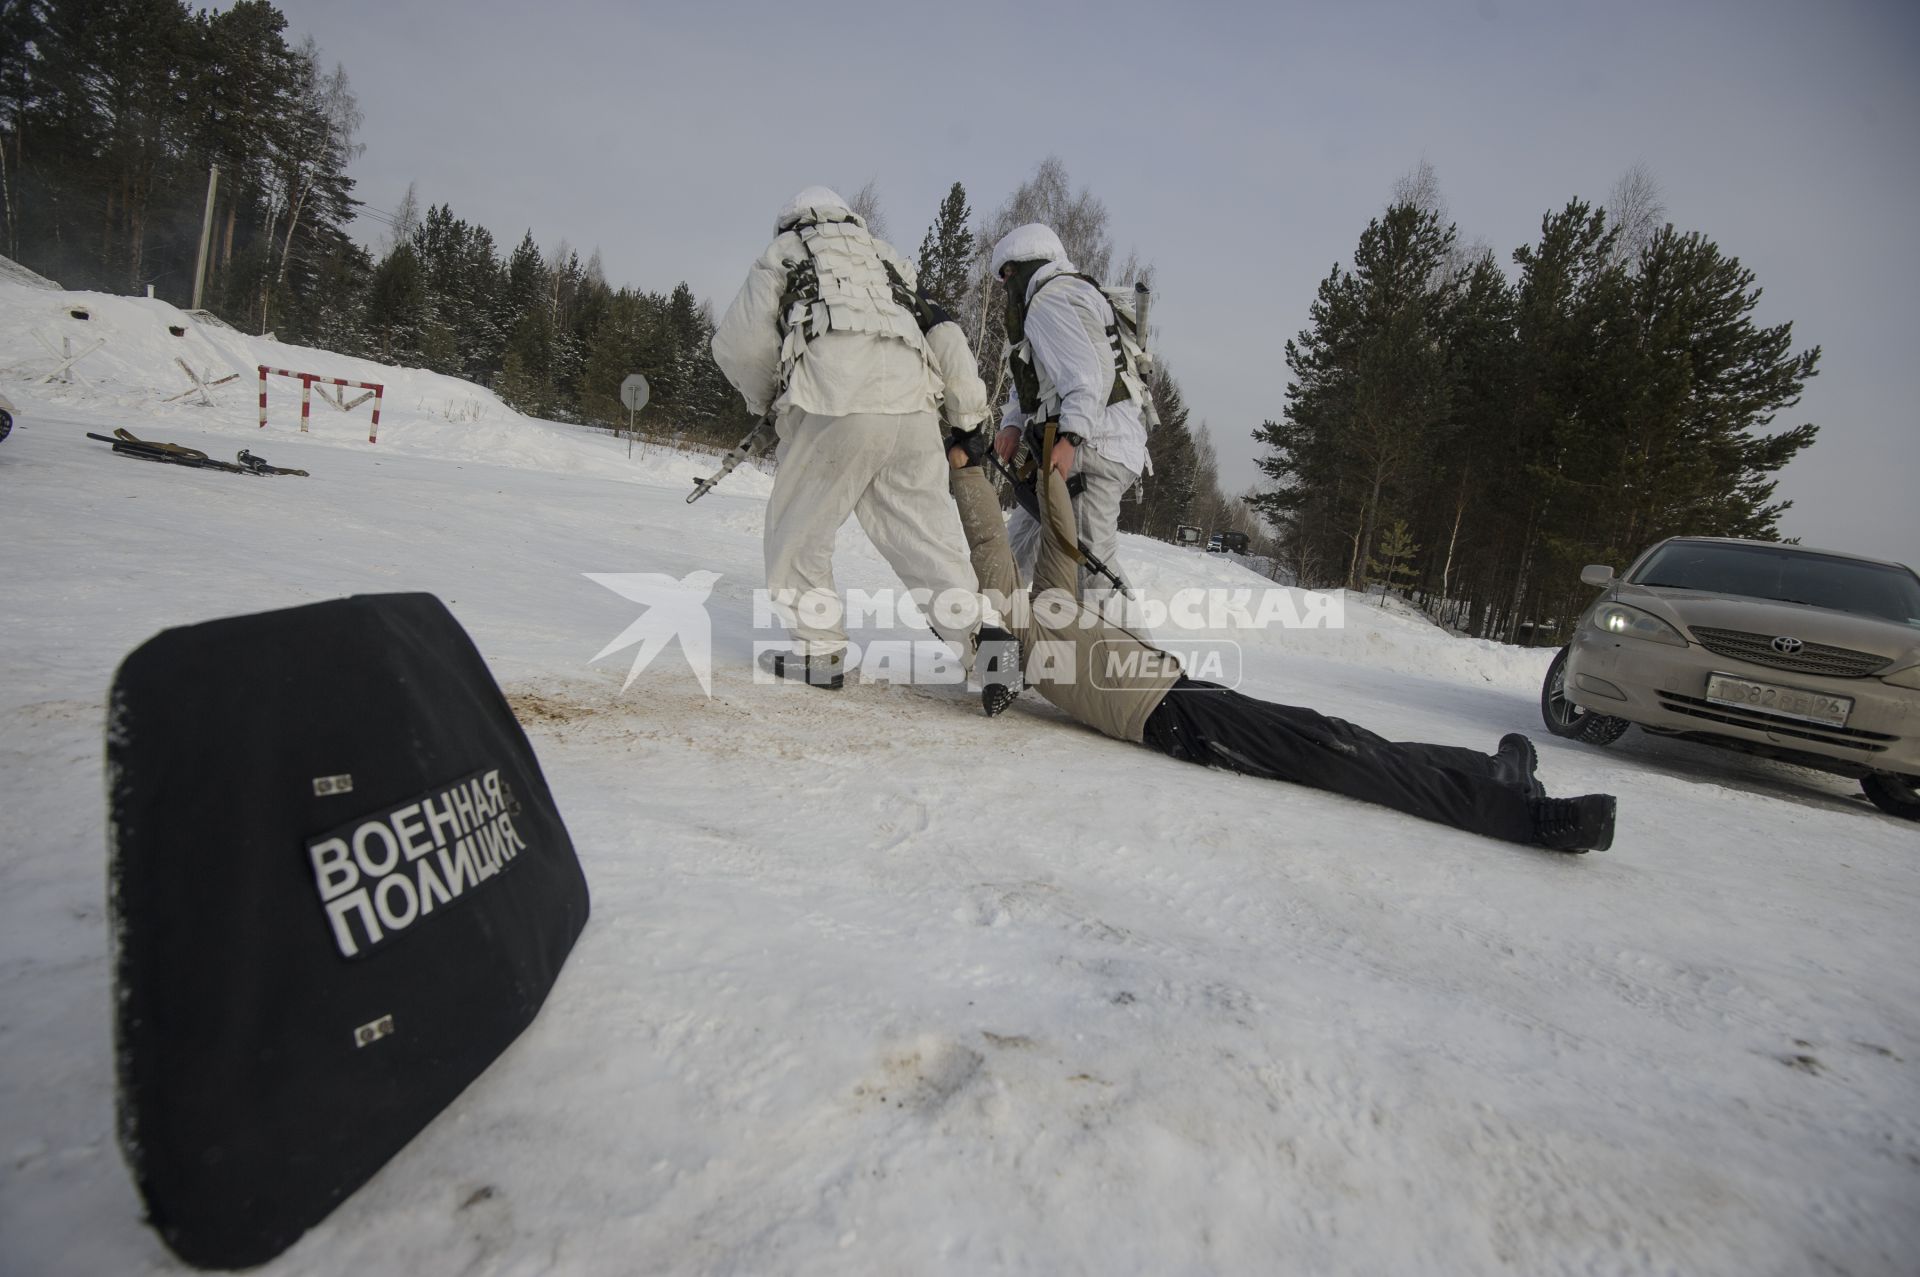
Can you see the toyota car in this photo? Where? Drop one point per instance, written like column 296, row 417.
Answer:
column 1808, row 656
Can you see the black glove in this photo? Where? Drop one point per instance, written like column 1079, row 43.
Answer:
column 972, row 442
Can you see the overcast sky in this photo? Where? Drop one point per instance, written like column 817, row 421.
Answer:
column 1239, row 148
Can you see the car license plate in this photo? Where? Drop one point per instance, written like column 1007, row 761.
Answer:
column 1787, row 702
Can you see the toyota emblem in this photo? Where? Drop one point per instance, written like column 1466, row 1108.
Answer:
column 1787, row 646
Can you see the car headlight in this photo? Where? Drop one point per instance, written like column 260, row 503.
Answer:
column 1631, row 622
column 1908, row 677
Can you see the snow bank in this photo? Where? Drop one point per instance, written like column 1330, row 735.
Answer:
column 1340, row 625
column 137, row 370
column 16, row 273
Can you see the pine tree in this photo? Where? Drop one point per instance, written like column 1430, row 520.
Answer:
column 242, row 110
column 1695, row 462
column 1576, row 379
column 946, row 252
column 464, row 285
column 1369, row 401
column 1396, row 551
column 526, row 377
column 1466, row 507
column 397, row 305
column 525, row 286
column 1170, row 490
column 311, row 199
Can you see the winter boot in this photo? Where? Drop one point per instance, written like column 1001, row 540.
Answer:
column 1514, row 763
column 1574, row 824
column 997, row 658
column 827, row 672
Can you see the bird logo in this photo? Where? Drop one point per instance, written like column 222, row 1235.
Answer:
column 672, row 609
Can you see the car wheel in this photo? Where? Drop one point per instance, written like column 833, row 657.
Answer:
column 1565, row 719
column 1895, row 795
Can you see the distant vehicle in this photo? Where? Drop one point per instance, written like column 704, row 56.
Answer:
column 1227, row 543
column 1808, row 656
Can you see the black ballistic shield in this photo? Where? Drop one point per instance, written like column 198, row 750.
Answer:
column 339, row 889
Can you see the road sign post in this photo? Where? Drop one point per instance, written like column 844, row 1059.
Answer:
column 633, row 393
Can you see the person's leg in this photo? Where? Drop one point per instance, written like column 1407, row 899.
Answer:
column 1023, row 535
column 907, row 513
column 985, row 529
column 1453, row 786
column 824, row 469
column 1103, row 483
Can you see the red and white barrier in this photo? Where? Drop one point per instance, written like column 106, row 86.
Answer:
column 307, row 380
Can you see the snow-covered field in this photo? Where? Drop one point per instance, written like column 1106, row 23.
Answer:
column 876, row 985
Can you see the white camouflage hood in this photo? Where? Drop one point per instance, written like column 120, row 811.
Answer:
column 1034, row 241
column 814, row 205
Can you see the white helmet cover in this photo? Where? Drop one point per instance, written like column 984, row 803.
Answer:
column 813, row 205
column 1026, row 243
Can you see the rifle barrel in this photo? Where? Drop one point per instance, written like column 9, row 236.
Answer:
column 740, row 452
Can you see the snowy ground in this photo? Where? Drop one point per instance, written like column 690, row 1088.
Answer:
column 876, row 985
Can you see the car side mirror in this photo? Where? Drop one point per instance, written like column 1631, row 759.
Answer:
column 1596, row 574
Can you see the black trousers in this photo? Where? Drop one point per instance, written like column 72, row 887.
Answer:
column 1205, row 723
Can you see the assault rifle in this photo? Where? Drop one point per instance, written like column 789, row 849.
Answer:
column 751, row 446
column 1028, row 497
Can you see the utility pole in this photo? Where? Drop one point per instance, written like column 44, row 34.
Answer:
column 206, row 236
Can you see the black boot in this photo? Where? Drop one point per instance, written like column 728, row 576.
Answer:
column 1514, row 763
column 825, row 672
column 1574, row 824
column 997, row 658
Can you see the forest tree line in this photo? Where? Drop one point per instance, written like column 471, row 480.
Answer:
column 112, row 112
column 1474, row 439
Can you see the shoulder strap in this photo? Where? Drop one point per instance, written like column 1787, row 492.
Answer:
column 803, row 282
column 910, row 301
column 1120, row 391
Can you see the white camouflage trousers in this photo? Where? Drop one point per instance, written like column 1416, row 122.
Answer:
column 1096, row 513
column 890, row 472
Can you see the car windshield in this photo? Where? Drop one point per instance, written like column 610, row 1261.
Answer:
column 1787, row 574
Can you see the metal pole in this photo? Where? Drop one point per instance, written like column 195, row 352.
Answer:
column 206, row 237
column 629, row 434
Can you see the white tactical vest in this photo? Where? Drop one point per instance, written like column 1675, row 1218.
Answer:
column 1096, row 317
column 846, row 289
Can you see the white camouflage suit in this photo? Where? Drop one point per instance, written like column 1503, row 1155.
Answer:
column 858, row 390
column 1065, row 331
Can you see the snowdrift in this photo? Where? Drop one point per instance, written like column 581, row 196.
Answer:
column 138, row 370
column 1364, row 633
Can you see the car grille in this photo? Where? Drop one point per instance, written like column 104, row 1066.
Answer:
column 1814, row 658
column 1760, row 721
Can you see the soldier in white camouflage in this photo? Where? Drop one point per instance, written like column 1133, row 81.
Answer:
column 824, row 333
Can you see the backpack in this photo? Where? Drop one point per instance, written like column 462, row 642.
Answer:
column 1127, row 338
